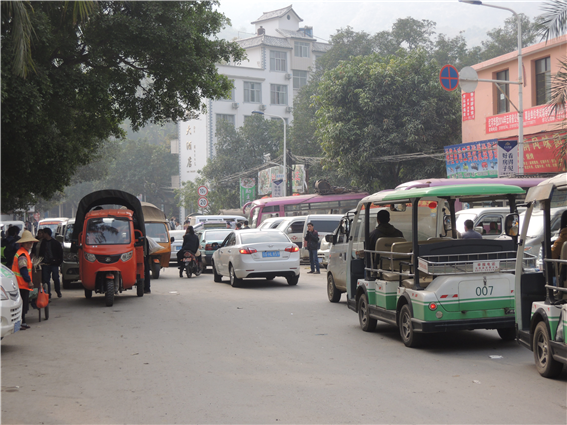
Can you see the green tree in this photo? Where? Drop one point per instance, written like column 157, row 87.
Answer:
column 371, row 107
column 92, row 75
column 504, row 40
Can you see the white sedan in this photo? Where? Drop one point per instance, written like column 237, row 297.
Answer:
column 254, row 253
column 11, row 302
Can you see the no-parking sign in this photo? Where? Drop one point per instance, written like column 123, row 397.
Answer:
column 203, row 202
column 449, row 77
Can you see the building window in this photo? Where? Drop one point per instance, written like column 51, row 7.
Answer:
column 301, row 49
column 278, row 61
column 543, row 81
column 252, row 92
column 226, row 118
column 278, row 94
column 299, row 79
column 231, row 98
column 502, row 103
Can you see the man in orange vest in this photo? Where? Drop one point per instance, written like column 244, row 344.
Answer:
column 22, row 268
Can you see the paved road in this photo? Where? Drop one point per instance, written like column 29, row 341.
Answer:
column 195, row 351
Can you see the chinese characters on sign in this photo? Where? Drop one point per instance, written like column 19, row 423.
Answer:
column 277, row 188
column 542, row 153
column 507, row 157
column 534, row 116
column 471, row 160
column 486, row 266
column 467, row 102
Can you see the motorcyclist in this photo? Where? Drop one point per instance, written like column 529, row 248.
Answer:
column 191, row 244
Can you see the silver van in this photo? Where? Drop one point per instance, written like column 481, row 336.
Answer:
column 489, row 222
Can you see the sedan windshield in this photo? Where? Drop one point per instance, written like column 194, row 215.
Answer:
column 263, row 237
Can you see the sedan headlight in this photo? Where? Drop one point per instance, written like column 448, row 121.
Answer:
column 90, row 257
column 70, row 257
column 127, row 255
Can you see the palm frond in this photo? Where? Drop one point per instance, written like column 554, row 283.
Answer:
column 22, row 30
column 554, row 19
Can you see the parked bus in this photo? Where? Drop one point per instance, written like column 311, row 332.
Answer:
column 290, row 206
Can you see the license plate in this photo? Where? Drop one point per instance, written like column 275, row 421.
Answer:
column 17, row 325
column 320, row 260
column 187, row 260
column 270, row 254
column 177, row 248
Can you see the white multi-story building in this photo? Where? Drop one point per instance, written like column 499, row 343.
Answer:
column 279, row 59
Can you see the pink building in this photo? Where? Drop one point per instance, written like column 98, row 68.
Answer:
column 489, row 116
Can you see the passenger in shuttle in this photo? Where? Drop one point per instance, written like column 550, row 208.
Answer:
column 383, row 230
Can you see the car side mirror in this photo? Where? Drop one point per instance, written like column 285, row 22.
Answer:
column 512, row 225
column 172, row 239
column 447, row 225
column 59, row 238
column 329, row 238
column 480, row 230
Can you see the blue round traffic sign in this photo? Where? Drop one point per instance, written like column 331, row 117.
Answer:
column 449, row 77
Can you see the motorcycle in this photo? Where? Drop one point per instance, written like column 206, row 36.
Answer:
column 190, row 264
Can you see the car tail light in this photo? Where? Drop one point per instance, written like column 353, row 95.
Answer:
column 294, row 248
column 432, row 306
column 208, row 247
column 247, row 250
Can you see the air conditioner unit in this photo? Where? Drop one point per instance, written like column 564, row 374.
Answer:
column 288, row 76
column 235, row 105
column 288, row 109
column 262, row 107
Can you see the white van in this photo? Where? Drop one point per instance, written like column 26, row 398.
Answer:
column 324, row 224
column 53, row 223
column 196, row 219
column 5, row 225
column 293, row 228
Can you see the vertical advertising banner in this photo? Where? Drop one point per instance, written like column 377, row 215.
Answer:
column 247, row 191
column 472, row 160
column 467, row 102
column 299, row 180
column 507, row 158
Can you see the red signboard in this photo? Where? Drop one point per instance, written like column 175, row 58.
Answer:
column 542, row 153
column 534, row 116
column 467, row 101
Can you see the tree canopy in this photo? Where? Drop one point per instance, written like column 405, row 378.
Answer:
column 148, row 62
column 371, row 106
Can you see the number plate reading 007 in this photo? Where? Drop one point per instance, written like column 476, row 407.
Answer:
column 270, row 254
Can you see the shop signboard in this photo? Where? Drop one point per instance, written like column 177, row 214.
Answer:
column 543, row 153
column 507, row 158
column 543, row 114
column 472, row 160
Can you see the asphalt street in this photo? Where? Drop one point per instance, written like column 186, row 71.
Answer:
column 196, row 351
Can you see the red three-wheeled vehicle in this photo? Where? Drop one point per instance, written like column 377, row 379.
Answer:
column 110, row 243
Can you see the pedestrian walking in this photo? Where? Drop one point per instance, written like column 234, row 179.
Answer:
column 22, row 268
column 312, row 243
column 52, row 254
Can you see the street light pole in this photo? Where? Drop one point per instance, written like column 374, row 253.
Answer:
column 520, row 81
column 284, row 147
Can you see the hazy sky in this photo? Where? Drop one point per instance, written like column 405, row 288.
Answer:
column 326, row 17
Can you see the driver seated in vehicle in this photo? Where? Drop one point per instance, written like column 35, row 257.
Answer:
column 191, row 244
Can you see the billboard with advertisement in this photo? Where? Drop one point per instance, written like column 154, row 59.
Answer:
column 472, row 160
column 507, row 158
column 247, row 190
column 298, row 175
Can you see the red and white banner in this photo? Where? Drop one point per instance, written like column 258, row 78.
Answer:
column 467, row 102
column 534, row 116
